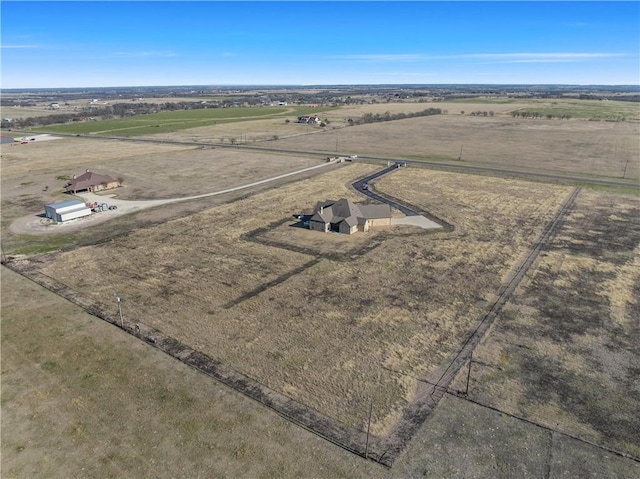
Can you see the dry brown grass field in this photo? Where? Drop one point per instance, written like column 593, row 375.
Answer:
column 33, row 174
column 335, row 322
column 261, row 130
column 81, row 398
column 576, row 146
column 573, row 147
column 338, row 334
column 149, row 170
column 564, row 351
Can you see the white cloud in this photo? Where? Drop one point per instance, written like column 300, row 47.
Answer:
column 538, row 57
column 147, row 54
column 382, row 57
column 20, row 46
column 533, row 57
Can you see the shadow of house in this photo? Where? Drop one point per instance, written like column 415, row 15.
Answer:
column 344, row 216
column 90, row 181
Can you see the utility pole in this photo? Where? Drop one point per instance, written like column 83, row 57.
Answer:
column 460, row 155
column 366, row 446
column 120, row 311
column 466, row 390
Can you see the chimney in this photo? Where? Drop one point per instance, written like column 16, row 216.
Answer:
column 74, row 177
column 321, row 209
column 87, row 170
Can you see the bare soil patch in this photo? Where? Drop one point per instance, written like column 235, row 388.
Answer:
column 336, row 335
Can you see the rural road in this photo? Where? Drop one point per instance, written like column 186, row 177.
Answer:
column 424, row 164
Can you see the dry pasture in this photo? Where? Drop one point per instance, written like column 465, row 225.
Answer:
column 81, row 398
column 575, row 147
column 332, row 334
column 563, row 353
column 150, row 170
column 267, row 130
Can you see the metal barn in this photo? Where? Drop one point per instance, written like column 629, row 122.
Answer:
column 66, row 210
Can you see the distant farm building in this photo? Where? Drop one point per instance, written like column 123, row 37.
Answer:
column 90, row 181
column 344, row 216
column 66, row 210
column 309, row 119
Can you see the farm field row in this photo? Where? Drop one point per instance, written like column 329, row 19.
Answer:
column 176, row 120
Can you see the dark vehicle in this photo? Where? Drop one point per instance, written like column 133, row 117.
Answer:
column 113, row 207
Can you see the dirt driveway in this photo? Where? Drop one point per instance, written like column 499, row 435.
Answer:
column 38, row 224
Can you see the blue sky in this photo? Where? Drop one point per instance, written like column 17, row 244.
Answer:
column 85, row 44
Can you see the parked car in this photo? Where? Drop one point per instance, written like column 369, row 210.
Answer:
column 113, row 207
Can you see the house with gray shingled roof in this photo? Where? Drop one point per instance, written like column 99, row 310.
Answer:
column 345, row 216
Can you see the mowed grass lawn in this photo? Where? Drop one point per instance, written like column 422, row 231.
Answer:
column 168, row 121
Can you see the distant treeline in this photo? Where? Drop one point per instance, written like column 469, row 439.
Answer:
column 117, row 110
column 387, row 116
column 535, row 114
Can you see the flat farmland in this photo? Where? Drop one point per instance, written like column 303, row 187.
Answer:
column 336, row 335
column 277, row 128
column 31, row 174
column 81, row 398
column 609, row 149
column 563, row 353
column 250, row 131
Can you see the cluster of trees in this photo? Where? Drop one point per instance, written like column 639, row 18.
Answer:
column 535, row 114
column 482, row 113
column 387, row 116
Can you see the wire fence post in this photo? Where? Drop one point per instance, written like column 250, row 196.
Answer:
column 366, row 446
column 120, row 311
column 466, row 390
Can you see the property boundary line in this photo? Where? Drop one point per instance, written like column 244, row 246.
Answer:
column 384, row 450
